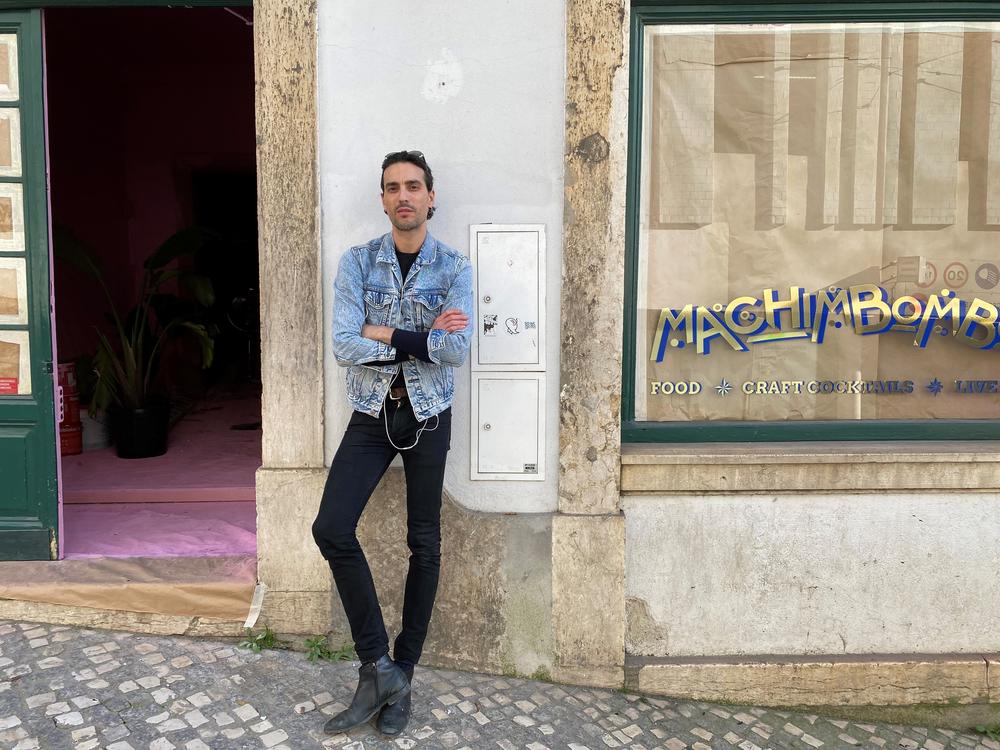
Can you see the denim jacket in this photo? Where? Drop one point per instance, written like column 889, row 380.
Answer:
column 369, row 289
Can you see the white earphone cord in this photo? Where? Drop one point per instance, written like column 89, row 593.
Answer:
column 424, row 428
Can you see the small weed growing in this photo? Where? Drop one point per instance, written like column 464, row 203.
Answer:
column 257, row 642
column 318, row 649
column 992, row 731
column 542, row 675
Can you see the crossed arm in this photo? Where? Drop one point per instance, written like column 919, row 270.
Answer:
column 356, row 342
column 412, row 342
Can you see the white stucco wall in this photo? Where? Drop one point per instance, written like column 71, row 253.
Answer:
column 822, row 574
column 479, row 88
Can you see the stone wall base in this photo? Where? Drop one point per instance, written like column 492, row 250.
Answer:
column 297, row 612
column 135, row 622
column 494, row 601
column 816, row 681
column 612, row 678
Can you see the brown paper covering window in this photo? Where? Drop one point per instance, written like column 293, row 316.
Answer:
column 10, row 360
column 818, row 157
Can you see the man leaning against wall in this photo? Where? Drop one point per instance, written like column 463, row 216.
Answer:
column 401, row 316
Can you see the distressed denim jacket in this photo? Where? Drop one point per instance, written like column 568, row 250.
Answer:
column 369, row 289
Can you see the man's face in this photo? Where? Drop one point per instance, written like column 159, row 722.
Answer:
column 405, row 197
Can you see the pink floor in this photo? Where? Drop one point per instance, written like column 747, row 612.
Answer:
column 197, row 500
column 160, row 530
column 206, row 461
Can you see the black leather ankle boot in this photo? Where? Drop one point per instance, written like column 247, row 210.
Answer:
column 380, row 683
column 394, row 718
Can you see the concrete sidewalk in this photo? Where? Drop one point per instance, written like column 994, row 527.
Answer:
column 76, row 689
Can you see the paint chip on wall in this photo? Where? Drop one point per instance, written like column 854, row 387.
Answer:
column 444, row 78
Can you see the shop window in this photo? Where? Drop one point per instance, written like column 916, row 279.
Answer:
column 814, row 244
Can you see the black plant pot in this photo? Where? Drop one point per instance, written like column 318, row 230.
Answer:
column 141, row 433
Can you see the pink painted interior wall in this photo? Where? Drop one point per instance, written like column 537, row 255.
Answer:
column 138, row 99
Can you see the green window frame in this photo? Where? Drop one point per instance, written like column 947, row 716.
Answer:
column 652, row 12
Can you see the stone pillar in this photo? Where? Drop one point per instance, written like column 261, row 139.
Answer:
column 290, row 480
column 834, row 115
column 936, row 127
column 588, row 540
column 593, row 261
column 684, row 68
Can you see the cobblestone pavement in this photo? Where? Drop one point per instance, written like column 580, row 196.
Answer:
column 83, row 689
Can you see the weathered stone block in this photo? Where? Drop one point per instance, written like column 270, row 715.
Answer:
column 864, row 682
column 287, row 557
column 298, row 612
column 603, row 677
column 787, row 467
column 138, row 622
column 588, row 590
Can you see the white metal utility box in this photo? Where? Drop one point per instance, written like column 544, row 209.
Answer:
column 508, row 352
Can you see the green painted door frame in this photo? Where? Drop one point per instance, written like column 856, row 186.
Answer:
column 28, row 489
column 649, row 12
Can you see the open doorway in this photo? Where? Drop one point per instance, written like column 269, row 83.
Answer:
column 151, row 138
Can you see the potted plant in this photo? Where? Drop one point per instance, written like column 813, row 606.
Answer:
column 128, row 361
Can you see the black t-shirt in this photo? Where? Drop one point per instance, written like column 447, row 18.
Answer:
column 406, row 262
column 407, row 342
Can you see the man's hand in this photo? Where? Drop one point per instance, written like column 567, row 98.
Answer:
column 377, row 333
column 451, row 321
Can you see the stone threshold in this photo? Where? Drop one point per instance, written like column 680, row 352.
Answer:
column 201, row 595
column 819, row 467
column 110, row 619
column 821, row 680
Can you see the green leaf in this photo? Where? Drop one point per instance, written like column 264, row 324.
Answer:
column 199, row 286
column 204, row 340
column 120, row 375
column 110, row 374
column 185, row 242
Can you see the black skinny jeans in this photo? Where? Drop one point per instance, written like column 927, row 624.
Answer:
column 363, row 457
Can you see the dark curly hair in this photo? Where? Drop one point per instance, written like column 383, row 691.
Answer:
column 410, row 157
